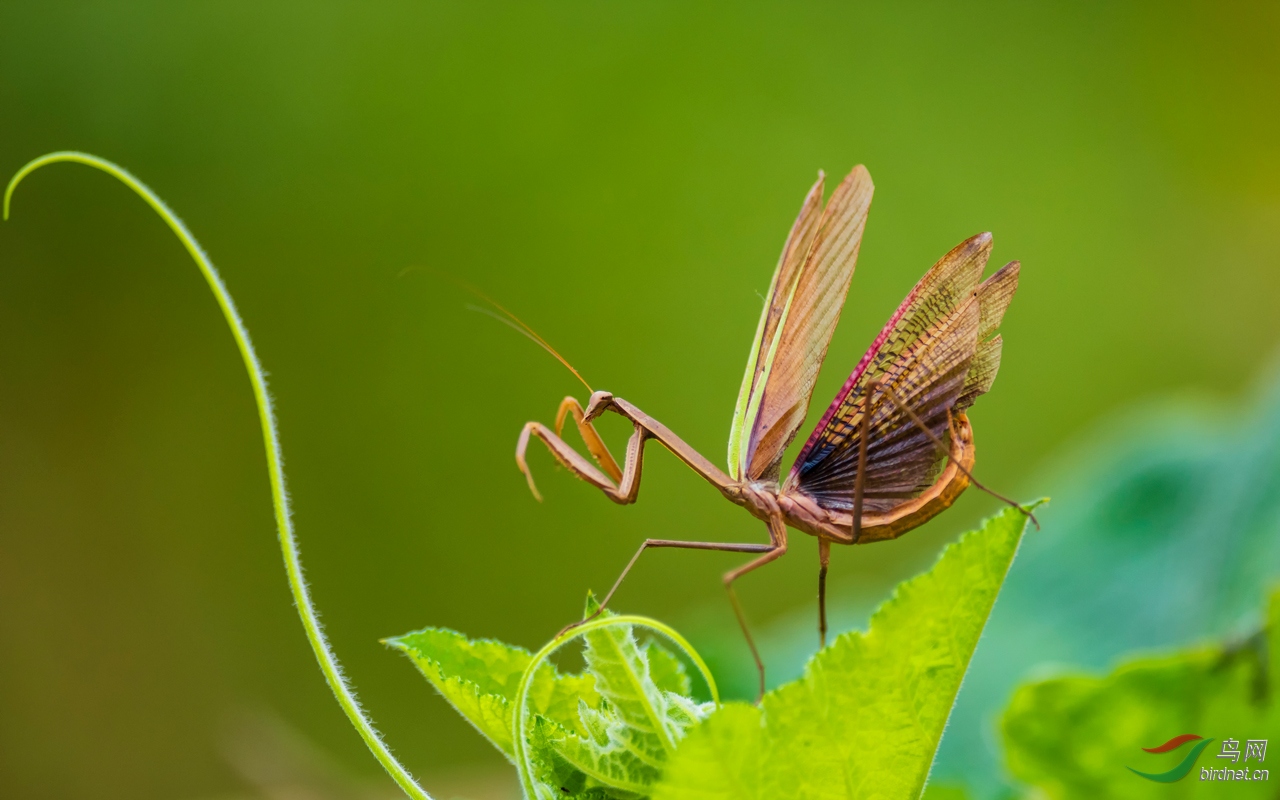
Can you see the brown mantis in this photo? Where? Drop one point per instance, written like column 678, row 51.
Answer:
column 894, row 448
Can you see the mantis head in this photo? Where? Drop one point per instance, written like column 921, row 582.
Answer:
column 597, row 404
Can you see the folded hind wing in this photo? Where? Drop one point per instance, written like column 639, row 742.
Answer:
column 994, row 296
column 928, row 377
column 924, row 356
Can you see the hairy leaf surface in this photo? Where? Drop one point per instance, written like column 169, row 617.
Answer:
column 479, row 678
column 606, row 733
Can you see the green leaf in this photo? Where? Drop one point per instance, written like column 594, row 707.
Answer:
column 1162, row 535
column 623, row 680
column 866, row 718
column 666, row 670
column 620, row 746
column 479, row 679
column 586, row 743
column 602, row 761
column 1083, row 737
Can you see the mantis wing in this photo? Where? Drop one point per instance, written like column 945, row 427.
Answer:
column 805, row 298
column 794, row 253
column 934, row 355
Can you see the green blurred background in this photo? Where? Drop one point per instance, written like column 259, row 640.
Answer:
column 622, row 176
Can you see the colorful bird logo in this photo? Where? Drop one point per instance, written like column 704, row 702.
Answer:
column 1179, row 772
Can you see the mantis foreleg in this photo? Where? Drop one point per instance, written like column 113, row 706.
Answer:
column 621, row 486
column 590, row 437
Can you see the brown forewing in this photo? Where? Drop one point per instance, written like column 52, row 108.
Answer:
column 821, row 287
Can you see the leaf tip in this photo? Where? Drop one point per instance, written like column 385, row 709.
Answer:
column 592, row 605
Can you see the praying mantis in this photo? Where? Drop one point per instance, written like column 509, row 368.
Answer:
column 893, row 449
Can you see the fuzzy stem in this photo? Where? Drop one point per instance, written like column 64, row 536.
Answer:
column 275, row 470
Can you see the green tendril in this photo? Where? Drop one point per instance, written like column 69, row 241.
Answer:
column 329, row 665
column 519, row 742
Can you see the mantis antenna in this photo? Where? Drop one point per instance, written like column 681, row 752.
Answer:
column 507, row 318
column 502, row 315
column 329, row 665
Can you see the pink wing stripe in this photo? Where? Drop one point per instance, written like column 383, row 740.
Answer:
column 853, row 379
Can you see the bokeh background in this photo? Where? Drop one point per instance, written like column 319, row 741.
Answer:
column 621, row 176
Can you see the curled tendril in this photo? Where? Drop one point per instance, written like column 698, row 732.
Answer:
column 329, row 665
column 275, row 471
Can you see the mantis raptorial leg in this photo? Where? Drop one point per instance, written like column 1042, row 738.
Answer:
column 621, row 487
column 590, row 437
column 625, row 487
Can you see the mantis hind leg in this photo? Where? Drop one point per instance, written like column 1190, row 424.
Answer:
column 824, row 560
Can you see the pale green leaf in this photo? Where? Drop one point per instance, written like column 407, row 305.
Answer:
column 1163, row 534
column 585, row 744
column 617, row 749
column 666, row 670
column 866, row 718
column 611, row 754
column 1081, row 736
column 479, row 679
column 727, row 756
column 605, row 764
column 646, row 726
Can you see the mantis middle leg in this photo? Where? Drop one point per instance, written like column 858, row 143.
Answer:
column 776, row 548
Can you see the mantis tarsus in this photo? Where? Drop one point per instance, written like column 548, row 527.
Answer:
column 894, row 447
